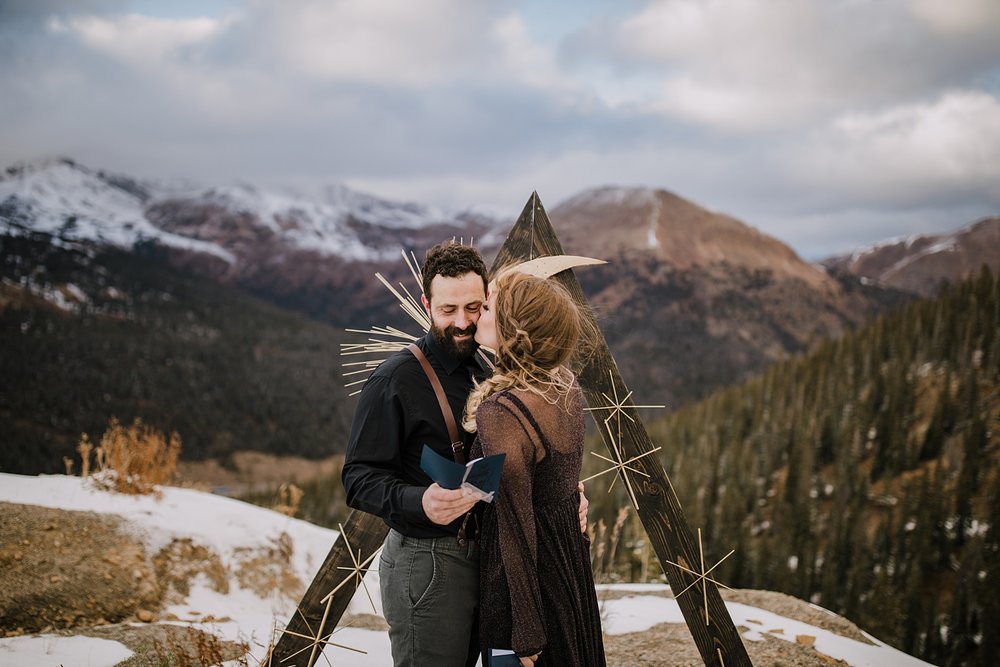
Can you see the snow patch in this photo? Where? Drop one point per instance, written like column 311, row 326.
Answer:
column 55, row 651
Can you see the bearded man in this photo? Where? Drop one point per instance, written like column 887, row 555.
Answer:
column 429, row 573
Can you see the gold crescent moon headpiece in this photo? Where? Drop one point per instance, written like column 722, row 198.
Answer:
column 550, row 265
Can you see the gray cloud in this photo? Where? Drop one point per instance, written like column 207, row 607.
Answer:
column 788, row 120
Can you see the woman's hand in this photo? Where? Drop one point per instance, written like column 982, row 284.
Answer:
column 529, row 661
column 584, row 506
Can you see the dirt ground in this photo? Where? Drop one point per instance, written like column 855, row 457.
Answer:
column 671, row 645
column 79, row 573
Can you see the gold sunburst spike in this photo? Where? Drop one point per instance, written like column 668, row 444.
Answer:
column 702, row 576
column 414, row 266
column 620, row 466
column 416, row 313
column 317, row 639
column 358, row 571
column 617, row 405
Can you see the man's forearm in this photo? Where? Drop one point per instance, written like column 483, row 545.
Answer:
column 383, row 494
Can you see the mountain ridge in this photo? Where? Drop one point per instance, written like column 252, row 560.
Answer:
column 726, row 298
column 921, row 263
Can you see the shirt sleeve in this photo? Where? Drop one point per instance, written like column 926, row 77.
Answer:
column 373, row 463
column 501, row 430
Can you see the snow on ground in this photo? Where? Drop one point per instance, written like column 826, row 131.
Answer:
column 226, row 525
column 640, row 612
column 52, row 650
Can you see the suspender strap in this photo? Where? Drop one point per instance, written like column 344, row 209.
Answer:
column 457, row 446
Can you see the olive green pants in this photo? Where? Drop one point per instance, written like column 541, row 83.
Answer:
column 430, row 599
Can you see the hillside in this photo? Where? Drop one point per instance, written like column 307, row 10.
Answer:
column 692, row 300
column 219, row 577
column 90, row 332
column 864, row 476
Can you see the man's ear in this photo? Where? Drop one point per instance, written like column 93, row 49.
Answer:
column 427, row 304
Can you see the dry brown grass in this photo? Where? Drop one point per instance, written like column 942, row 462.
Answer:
column 132, row 459
column 289, row 498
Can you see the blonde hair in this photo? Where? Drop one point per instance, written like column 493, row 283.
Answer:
column 538, row 326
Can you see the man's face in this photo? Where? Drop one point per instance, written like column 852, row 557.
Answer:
column 454, row 305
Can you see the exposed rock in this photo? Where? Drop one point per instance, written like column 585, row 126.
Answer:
column 69, row 569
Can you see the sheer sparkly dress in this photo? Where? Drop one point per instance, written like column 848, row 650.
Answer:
column 537, row 589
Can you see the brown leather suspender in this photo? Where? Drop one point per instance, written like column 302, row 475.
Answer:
column 457, row 446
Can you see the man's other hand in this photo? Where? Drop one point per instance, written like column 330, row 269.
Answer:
column 442, row 506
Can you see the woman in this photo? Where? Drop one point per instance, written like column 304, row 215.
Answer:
column 537, row 592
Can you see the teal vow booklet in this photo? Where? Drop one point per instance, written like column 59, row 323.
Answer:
column 502, row 658
column 480, row 476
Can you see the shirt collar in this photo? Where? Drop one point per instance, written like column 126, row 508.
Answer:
column 447, row 361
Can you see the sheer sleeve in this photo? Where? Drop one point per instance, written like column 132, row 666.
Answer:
column 501, row 429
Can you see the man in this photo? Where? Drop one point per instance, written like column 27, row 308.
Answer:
column 429, row 581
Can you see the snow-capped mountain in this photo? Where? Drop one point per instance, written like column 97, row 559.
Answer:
column 920, row 263
column 316, row 253
column 75, row 203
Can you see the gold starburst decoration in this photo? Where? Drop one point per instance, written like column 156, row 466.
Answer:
column 358, row 571
column 702, row 576
column 619, row 465
column 317, row 638
column 357, row 575
column 618, row 405
column 383, row 341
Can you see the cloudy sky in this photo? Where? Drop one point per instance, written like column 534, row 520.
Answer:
column 827, row 123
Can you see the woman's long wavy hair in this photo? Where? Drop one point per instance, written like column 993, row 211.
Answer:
column 538, row 326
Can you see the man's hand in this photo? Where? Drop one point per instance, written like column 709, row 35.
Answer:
column 584, row 506
column 528, row 661
column 442, row 506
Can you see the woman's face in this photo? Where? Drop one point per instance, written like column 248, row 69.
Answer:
column 486, row 327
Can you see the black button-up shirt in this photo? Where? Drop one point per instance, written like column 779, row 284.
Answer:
column 398, row 413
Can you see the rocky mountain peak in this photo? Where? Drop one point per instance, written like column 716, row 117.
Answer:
column 677, row 231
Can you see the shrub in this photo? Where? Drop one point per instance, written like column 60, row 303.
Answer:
column 133, row 459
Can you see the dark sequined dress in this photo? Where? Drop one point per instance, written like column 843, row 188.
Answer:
column 537, row 589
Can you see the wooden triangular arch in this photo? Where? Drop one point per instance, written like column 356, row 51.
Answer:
column 659, row 509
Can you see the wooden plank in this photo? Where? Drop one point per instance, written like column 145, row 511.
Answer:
column 659, row 509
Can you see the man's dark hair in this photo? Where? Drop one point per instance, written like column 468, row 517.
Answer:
column 451, row 260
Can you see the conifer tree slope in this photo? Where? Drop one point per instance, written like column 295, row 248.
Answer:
column 90, row 332
column 864, row 475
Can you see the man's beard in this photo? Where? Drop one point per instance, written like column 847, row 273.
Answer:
column 446, row 339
